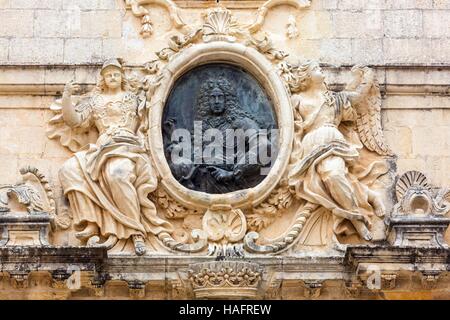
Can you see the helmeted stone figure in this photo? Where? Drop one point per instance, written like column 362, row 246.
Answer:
column 108, row 182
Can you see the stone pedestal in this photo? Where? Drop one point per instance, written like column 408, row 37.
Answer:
column 19, row 229
column 418, row 231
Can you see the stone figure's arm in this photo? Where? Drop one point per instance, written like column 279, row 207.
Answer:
column 71, row 117
column 359, row 89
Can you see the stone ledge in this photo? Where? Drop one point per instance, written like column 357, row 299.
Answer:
column 309, row 276
column 49, row 80
column 47, row 257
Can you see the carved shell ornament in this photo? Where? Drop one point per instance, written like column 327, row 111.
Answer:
column 416, row 197
column 219, row 25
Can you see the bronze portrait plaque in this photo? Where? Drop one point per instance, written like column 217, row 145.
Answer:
column 219, row 129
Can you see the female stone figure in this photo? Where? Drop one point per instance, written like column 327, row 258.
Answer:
column 326, row 170
column 107, row 183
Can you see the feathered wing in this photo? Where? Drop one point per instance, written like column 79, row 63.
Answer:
column 368, row 120
column 72, row 138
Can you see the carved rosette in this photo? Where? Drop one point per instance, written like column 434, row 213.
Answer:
column 225, row 279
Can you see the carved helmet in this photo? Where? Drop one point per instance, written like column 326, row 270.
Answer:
column 117, row 62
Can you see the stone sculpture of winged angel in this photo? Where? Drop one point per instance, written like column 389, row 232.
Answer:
column 339, row 149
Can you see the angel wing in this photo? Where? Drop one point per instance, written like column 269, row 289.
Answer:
column 72, row 138
column 368, row 108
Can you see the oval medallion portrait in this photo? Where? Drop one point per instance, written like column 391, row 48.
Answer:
column 219, row 129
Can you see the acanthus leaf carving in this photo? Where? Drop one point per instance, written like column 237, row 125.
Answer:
column 266, row 212
column 173, row 209
column 34, row 192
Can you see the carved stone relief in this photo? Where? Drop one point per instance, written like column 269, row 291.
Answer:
column 308, row 194
column 221, row 102
column 225, row 76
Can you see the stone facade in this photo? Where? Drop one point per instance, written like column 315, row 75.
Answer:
column 44, row 44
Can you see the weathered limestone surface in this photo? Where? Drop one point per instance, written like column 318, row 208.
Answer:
column 46, row 43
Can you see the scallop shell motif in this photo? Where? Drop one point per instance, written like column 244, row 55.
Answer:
column 410, row 179
column 217, row 22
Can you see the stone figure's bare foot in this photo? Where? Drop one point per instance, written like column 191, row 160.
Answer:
column 377, row 204
column 336, row 245
column 139, row 245
column 379, row 208
column 363, row 231
column 363, row 220
column 90, row 230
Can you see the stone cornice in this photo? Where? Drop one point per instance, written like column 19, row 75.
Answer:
column 49, row 80
column 354, row 269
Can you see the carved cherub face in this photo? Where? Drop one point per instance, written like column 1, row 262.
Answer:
column 113, row 77
column 217, row 101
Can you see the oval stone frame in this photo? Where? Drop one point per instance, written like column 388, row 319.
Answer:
column 264, row 71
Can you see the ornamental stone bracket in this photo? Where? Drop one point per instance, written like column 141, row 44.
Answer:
column 379, row 268
column 312, row 288
column 418, row 219
column 28, row 211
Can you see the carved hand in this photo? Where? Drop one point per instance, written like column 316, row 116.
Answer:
column 70, row 116
column 70, row 88
column 220, row 175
